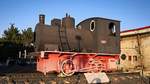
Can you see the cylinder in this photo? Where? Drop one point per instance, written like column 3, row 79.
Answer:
column 42, row 19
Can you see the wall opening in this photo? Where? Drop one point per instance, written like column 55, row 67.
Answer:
column 112, row 29
column 135, row 58
column 129, row 58
column 79, row 27
column 92, row 25
column 123, row 56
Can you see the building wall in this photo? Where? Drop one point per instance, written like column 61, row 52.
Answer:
column 129, row 48
column 145, row 45
column 135, row 45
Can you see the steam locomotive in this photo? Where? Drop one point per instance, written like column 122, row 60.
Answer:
column 68, row 49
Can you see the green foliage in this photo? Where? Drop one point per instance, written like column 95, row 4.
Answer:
column 14, row 40
column 14, row 35
column 27, row 36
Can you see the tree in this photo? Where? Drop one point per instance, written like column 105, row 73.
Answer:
column 27, row 36
column 12, row 35
column 15, row 36
column 14, row 41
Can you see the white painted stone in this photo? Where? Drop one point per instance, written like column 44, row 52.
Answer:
column 100, row 77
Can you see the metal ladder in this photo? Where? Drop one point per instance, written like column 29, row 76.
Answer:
column 64, row 44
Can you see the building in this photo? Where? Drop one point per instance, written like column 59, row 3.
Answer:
column 135, row 48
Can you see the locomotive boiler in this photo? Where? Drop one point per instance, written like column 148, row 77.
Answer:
column 91, row 45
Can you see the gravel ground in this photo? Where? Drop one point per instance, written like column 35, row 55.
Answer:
column 25, row 74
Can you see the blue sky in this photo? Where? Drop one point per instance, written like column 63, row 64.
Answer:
column 24, row 13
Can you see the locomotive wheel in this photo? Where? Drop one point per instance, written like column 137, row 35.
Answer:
column 67, row 67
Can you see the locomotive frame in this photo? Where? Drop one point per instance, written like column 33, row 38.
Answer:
column 70, row 62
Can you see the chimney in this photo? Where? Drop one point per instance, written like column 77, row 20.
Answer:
column 42, row 19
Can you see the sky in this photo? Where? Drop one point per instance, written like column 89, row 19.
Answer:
column 25, row 13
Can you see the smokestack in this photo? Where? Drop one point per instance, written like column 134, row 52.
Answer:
column 42, row 19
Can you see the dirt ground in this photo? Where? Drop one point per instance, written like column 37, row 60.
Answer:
column 26, row 74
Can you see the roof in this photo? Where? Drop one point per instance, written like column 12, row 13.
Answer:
column 136, row 29
column 96, row 18
column 141, row 30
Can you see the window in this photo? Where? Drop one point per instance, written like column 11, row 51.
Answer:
column 123, row 56
column 129, row 58
column 135, row 58
column 112, row 29
column 79, row 27
column 92, row 25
